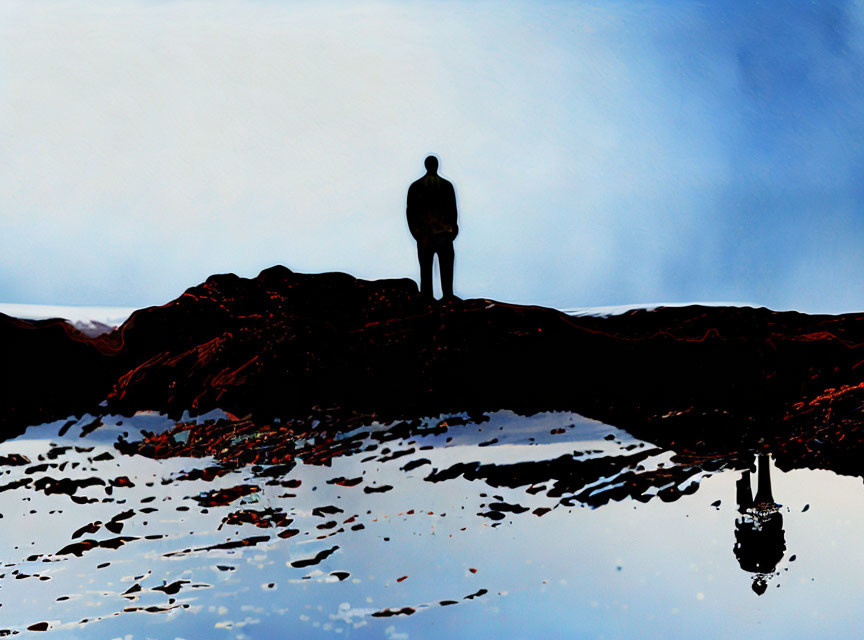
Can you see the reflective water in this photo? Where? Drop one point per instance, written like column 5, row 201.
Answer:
column 551, row 525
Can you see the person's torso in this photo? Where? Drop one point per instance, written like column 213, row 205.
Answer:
column 433, row 203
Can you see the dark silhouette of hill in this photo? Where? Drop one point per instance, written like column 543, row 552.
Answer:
column 284, row 344
column 49, row 369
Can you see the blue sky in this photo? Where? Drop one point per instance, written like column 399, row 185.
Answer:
column 603, row 153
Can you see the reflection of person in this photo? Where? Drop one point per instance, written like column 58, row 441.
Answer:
column 431, row 212
column 760, row 541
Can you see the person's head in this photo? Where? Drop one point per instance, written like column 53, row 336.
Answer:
column 759, row 585
column 431, row 164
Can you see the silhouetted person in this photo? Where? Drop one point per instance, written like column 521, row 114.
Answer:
column 431, row 212
column 760, row 541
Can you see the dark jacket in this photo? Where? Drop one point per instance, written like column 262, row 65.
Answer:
column 431, row 208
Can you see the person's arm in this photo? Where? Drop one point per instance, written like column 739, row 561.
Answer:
column 411, row 212
column 451, row 211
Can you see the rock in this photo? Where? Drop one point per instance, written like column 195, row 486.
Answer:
column 284, row 343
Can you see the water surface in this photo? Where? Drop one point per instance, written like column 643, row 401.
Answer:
column 496, row 525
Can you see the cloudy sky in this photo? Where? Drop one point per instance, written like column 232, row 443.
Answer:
column 603, row 152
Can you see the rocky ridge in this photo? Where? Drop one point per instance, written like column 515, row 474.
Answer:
column 285, row 344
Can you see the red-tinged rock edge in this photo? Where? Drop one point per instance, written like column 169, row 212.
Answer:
column 285, row 344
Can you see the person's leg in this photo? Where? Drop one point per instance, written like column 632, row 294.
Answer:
column 743, row 492
column 425, row 254
column 763, row 488
column 445, row 262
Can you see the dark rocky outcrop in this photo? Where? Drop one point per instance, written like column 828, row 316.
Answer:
column 48, row 369
column 284, row 343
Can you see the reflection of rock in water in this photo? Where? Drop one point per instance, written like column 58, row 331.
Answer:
column 759, row 537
